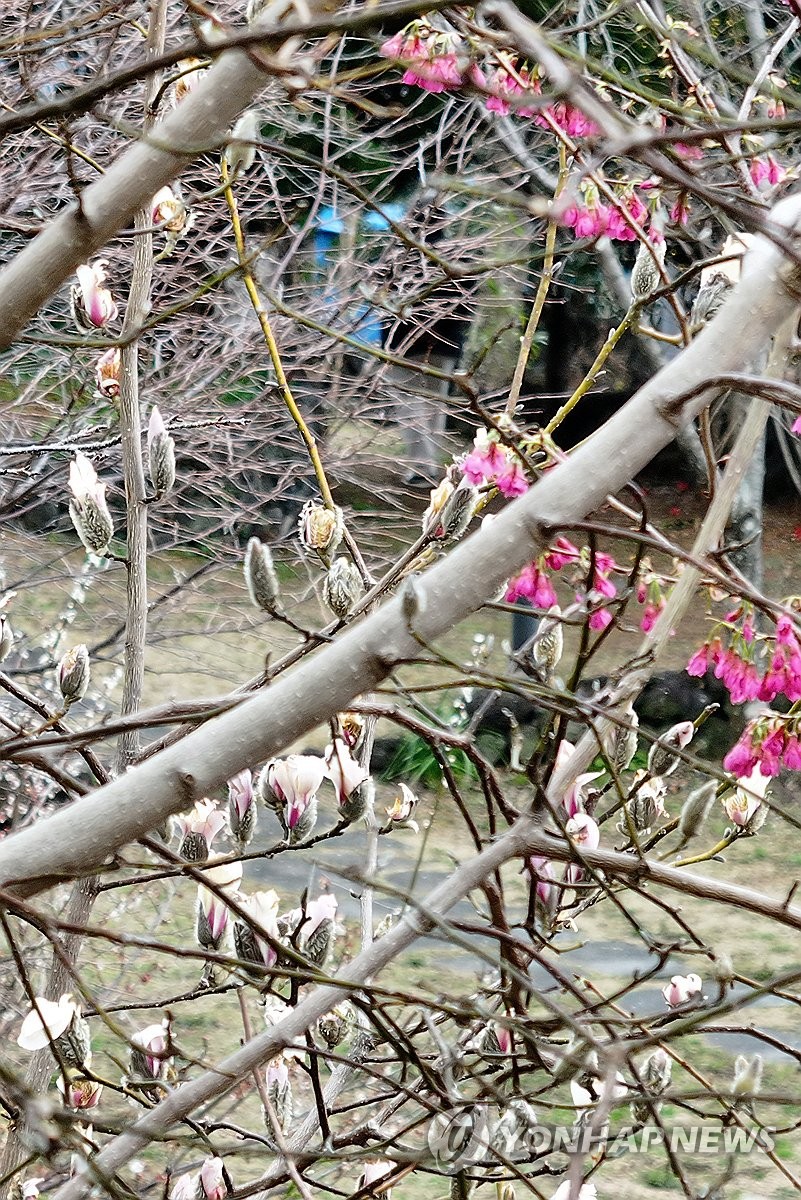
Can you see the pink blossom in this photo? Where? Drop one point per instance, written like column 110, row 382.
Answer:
column 503, row 84
column 534, row 585
column 796, row 426
column 541, row 870
column 295, row 781
column 600, row 618
column 681, row 988
column 483, row 462
column 512, row 480
column 93, row 303
column 324, row 908
column 583, row 832
column 697, row 666
column 345, row 772
column 240, row 792
column 688, row 152
column 153, row 1043
column 680, row 211
column 792, row 753
column 770, row 751
column 212, row 1182
column 205, row 820
column 651, row 615
column 562, row 552
column 741, row 759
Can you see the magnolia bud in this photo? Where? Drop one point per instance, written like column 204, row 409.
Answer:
column 160, row 454
column 747, row 1076
column 321, row 529
column 240, row 153
column 695, row 809
column 80, row 1092
column 351, row 729
column 645, row 276
column 620, row 743
column 342, row 587
column 647, row 804
column 279, row 1093
column 333, row 1026
column 260, row 576
column 548, row 643
column 73, row 674
column 661, row 759
column 88, row 508
column 6, row 637
column 456, row 514
column 655, row 1079
column 107, row 373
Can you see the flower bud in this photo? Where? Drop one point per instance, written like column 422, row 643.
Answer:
column 440, row 495
column 73, row 674
column 456, row 514
column 80, row 1093
column 107, row 373
column 6, row 637
column 333, row 1026
column 242, row 810
column 212, row 911
column 681, row 989
column 190, row 74
column 61, row 1025
column 321, row 529
column 645, row 275
column 317, row 932
column 695, row 810
column 88, row 508
column 212, row 1179
column 373, row 1175
column 240, row 153
column 260, row 576
column 342, row 587
column 548, row 643
column 150, row 1061
column 747, row 1076
column 647, row 805
column 655, row 1075
column 661, row 760
column 400, row 815
column 279, row 1093
column 348, row 777
column 92, row 304
column 351, row 729
column 160, row 454
column 198, row 829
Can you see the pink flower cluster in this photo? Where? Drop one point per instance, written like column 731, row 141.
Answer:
column 490, row 462
column 766, row 171
column 739, row 673
column 436, row 59
column 533, row 583
column 593, row 219
column 768, row 743
column 649, row 593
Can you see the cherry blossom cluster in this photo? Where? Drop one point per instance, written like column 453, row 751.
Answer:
column 766, row 745
column 534, row 583
column 491, row 462
column 735, row 665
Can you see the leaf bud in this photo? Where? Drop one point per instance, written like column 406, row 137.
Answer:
column 342, row 587
column 73, row 674
column 260, row 576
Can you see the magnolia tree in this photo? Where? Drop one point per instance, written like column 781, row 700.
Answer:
column 242, row 247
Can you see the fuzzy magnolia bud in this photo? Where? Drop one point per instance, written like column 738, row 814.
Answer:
column 160, row 454
column 647, row 804
column 646, row 277
column 747, row 1076
column 695, row 810
column 317, row 931
column 661, row 759
column 73, row 674
column 321, row 529
column 451, row 522
column 242, row 810
column 342, row 587
column 240, row 153
column 548, row 643
column 6, row 637
column 655, row 1080
column 333, row 1026
column 620, row 743
column 260, row 576
column 279, row 1093
column 88, row 508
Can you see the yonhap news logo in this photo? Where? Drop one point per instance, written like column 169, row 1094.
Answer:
column 477, row 1135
